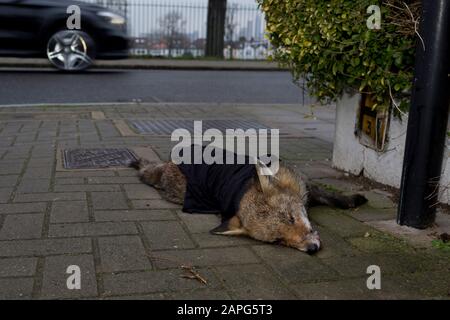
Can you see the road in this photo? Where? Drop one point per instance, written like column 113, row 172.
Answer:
column 41, row 86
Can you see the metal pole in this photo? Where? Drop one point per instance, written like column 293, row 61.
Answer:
column 427, row 121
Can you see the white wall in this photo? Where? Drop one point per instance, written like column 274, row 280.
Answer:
column 384, row 167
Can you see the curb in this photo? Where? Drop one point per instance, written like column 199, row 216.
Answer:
column 145, row 104
column 155, row 64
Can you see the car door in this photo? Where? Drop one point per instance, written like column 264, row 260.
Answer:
column 20, row 22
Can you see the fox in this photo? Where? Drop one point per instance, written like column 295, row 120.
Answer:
column 272, row 208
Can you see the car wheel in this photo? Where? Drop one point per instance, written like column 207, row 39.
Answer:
column 71, row 50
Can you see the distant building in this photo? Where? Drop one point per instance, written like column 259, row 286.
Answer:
column 139, row 46
column 249, row 50
column 258, row 28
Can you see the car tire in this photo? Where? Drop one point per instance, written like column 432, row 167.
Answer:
column 71, row 50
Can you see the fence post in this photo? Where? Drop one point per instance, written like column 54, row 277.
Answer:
column 215, row 28
column 427, row 120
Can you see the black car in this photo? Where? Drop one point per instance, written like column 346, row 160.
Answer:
column 39, row 28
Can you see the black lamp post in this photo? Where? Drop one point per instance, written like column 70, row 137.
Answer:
column 427, row 121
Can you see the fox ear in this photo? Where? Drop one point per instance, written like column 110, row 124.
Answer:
column 265, row 175
column 231, row 227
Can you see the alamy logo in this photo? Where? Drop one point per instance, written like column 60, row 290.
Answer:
column 74, row 20
column 374, row 280
column 74, row 280
column 235, row 141
column 374, row 21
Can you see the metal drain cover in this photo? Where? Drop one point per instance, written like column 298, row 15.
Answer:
column 167, row 126
column 97, row 158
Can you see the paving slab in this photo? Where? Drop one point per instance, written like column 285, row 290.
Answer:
column 5, row 194
column 379, row 199
column 199, row 223
column 87, row 229
column 52, row 196
column 8, row 180
column 109, row 200
column 294, row 266
column 17, row 267
column 69, row 211
column 253, row 282
column 166, row 235
column 43, row 247
column 134, row 215
column 56, row 277
column 16, row 288
column 338, row 222
column 367, row 213
column 203, row 257
column 353, row 289
column 154, row 204
column 208, row 240
column 155, row 281
column 123, row 253
column 22, row 226
column 141, row 191
column 23, row 207
column 34, row 186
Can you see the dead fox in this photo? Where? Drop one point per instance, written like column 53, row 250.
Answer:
column 271, row 208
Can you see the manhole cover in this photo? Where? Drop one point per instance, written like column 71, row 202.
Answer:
column 166, row 127
column 97, row 158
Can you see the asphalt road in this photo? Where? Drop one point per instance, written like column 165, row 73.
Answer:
column 41, row 86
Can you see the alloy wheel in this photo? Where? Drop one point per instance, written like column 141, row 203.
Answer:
column 70, row 50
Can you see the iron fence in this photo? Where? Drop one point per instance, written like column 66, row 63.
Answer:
column 178, row 28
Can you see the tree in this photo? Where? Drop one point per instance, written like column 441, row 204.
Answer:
column 330, row 44
column 172, row 25
column 215, row 33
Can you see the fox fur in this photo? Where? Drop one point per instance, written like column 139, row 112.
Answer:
column 273, row 209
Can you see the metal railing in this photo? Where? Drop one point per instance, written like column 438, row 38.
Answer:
column 175, row 29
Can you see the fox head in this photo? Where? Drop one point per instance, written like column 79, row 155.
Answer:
column 274, row 210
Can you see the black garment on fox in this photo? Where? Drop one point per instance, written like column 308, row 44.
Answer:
column 216, row 188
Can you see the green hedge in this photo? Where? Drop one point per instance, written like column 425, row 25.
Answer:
column 328, row 43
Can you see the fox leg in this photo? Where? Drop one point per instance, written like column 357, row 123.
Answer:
column 149, row 173
column 166, row 177
column 173, row 184
column 320, row 196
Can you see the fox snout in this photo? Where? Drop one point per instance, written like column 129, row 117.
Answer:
column 314, row 243
column 308, row 242
column 311, row 244
column 312, row 248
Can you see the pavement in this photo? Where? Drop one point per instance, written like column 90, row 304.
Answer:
column 131, row 244
column 179, row 64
